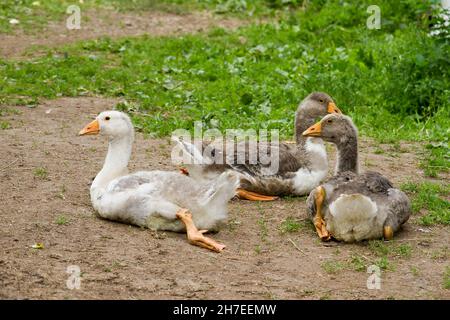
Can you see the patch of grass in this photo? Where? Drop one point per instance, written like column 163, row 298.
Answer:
column 218, row 79
column 436, row 159
column 447, row 278
column 430, row 197
column 326, row 296
column 404, row 250
column 414, row 270
column 263, row 230
column 332, row 266
column 61, row 220
column 358, row 263
column 5, row 111
column 4, row 125
column 440, row 254
column 40, row 173
column 384, row 264
column 383, row 249
column 290, row 225
column 34, row 15
column 379, row 247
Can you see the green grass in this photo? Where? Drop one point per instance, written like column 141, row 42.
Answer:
column 440, row 254
column 437, row 158
column 4, row 125
column 333, row 267
column 254, row 77
column 40, row 173
column 384, row 264
column 290, row 225
column 429, row 197
column 35, row 15
column 5, row 111
column 382, row 249
column 358, row 263
column 415, row 271
column 403, row 250
column 383, row 255
column 263, row 229
column 447, row 278
column 61, row 220
column 217, row 76
column 379, row 248
column 384, row 252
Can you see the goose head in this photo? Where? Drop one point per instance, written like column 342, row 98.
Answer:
column 113, row 124
column 315, row 106
column 339, row 130
column 334, row 128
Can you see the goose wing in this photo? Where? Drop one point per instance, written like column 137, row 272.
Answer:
column 279, row 160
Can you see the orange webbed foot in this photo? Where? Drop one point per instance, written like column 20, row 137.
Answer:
column 253, row 196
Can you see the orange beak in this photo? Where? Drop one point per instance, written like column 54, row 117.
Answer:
column 91, row 128
column 313, row 131
column 332, row 108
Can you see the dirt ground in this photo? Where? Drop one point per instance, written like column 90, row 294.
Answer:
column 118, row 261
column 46, row 170
column 109, row 23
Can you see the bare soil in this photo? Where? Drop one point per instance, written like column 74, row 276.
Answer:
column 109, row 23
column 118, row 261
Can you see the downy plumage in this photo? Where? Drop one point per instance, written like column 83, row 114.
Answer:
column 152, row 199
column 302, row 166
column 351, row 206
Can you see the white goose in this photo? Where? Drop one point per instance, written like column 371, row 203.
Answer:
column 158, row 200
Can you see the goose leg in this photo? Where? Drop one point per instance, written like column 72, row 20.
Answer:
column 196, row 236
column 319, row 223
column 253, row 196
column 388, row 233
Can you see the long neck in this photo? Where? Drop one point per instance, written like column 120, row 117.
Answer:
column 116, row 162
column 302, row 122
column 347, row 155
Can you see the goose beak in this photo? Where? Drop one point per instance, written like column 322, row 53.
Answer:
column 91, row 128
column 332, row 108
column 313, row 131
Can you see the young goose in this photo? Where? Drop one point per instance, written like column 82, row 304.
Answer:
column 154, row 199
column 301, row 167
column 351, row 206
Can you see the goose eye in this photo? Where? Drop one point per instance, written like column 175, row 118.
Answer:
column 330, row 121
column 107, row 118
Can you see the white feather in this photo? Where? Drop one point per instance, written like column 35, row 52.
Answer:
column 354, row 217
column 307, row 179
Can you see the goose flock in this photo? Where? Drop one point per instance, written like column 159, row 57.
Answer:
column 349, row 206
